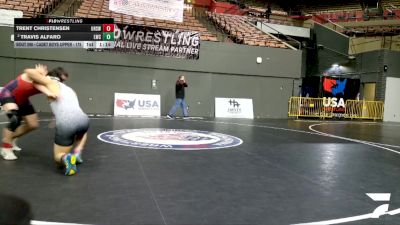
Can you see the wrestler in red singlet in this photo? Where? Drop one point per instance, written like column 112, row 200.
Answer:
column 14, row 98
column 18, row 91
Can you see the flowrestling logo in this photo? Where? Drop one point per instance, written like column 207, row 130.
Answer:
column 170, row 139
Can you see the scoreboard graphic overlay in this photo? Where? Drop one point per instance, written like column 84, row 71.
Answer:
column 90, row 33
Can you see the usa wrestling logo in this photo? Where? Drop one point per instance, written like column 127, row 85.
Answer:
column 170, row 139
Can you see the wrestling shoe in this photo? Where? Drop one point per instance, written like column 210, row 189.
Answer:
column 8, row 154
column 79, row 159
column 70, row 164
column 15, row 147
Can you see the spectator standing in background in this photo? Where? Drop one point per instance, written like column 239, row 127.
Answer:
column 268, row 12
column 180, row 86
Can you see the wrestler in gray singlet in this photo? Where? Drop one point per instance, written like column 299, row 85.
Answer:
column 71, row 121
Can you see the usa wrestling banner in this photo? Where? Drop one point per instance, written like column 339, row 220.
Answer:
column 144, row 40
column 127, row 104
column 156, row 9
column 337, row 90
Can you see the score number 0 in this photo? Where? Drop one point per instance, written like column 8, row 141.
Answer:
column 108, row 32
